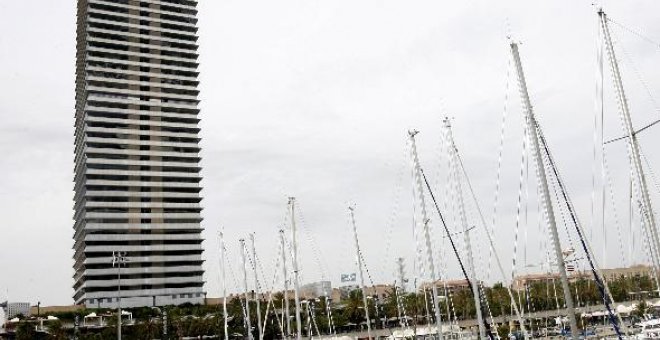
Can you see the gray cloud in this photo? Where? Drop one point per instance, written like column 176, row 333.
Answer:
column 313, row 99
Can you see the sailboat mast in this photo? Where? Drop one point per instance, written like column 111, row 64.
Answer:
column 248, row 324
column 643, row 199
column 359, row 263
column 427, row 235
column 223, row 263
column 544, row 190
column 287, row 324
column 328, row 311
column 256, row 286
column 491, row 243
column 453, row 157
column 400, row 267
column 296, row 283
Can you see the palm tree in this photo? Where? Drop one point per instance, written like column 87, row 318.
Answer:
column 353, row 308
column 390, row 305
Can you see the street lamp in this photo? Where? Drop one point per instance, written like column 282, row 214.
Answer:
column 119, row 258
column 39, row 315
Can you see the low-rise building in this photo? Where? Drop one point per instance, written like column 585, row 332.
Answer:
column 611, row 274
column 45, row 310
column 451, row 286
column 316, row 289
column 632, row 271
column 12, row 309
column 520, row 282
column 379, row 291
column 345, row 292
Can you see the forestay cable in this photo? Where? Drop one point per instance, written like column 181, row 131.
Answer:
column 602, row 286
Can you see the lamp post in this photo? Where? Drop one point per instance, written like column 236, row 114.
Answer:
column 41, row 325
column 119, row 258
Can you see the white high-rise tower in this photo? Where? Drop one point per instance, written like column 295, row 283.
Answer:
column 137, row 172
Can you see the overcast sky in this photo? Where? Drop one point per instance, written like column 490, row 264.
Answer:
column 313, row 99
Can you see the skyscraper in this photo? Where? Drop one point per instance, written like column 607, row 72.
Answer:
column 137, row 172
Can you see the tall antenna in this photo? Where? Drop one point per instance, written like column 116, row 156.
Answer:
column 533, row 135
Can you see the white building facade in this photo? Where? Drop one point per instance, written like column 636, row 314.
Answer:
column 137, row 172
column 12, row 309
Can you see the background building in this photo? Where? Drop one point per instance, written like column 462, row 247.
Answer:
column 12, row 309
column 522, row 281
column 137, row 172
column 632, row 271
column 451, row 286
column 611, row 274
column 379, row 291
column 316, row 289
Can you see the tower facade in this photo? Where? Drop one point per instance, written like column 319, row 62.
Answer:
column 137, row 173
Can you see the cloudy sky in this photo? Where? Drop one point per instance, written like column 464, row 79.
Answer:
column 314, row 99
